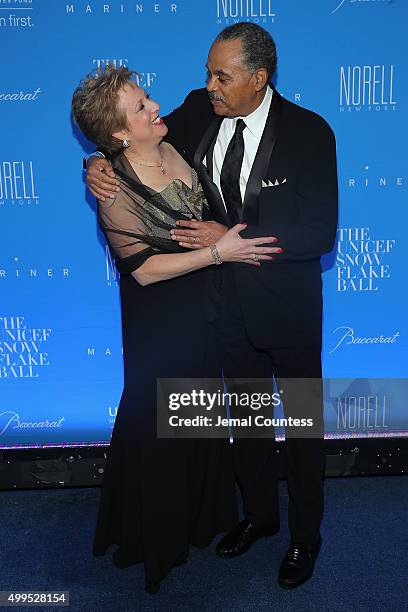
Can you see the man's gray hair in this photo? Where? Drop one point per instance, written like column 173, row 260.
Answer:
column 258, row 46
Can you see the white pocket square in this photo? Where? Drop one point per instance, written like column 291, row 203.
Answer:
column 274, row 183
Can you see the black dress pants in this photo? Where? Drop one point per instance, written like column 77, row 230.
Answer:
column 255, row 458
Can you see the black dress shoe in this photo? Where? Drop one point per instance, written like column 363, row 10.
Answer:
column 242, row 537
column 298, row 564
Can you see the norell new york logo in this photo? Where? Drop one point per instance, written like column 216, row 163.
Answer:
column 257, row 10
column 367, row 87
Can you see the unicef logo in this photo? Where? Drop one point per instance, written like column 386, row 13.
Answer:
column 22, row 352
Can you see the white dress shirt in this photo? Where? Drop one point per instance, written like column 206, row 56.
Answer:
column 255, row 125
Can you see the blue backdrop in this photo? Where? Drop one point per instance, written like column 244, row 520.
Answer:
column 60, row 340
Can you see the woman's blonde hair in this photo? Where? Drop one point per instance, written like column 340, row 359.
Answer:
column 95, row 105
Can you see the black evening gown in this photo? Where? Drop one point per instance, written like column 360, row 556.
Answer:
column 159, row 495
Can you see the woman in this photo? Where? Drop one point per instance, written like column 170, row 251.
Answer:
column 159, row 495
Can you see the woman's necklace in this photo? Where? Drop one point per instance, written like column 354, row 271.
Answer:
column 161, row 166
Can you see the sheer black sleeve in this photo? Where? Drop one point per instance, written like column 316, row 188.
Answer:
column 125, row 232
column 137, row 225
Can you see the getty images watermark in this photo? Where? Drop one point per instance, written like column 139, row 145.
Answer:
column 249, row 408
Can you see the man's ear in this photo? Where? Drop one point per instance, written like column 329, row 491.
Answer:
column 261, row 78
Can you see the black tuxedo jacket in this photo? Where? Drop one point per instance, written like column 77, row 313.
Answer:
column 291, row 194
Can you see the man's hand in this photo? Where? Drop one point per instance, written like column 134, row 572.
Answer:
column 101, row 179
column 199, row 233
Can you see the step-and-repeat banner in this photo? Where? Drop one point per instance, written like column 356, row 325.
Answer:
column 60, row 337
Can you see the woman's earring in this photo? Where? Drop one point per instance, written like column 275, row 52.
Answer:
column 126, row 144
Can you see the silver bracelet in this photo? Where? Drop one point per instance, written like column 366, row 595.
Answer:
column 95, row 154
column 87, row 157
column 215, row 254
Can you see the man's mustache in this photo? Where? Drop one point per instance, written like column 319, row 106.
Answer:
column 215, row 98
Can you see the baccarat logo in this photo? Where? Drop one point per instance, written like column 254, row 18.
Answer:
column 348, row 4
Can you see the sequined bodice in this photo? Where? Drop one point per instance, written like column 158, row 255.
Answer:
column 180, row 198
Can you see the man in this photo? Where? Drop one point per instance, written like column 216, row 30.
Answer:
column 271, row 164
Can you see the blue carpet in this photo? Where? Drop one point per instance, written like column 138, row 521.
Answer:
column 363, row 563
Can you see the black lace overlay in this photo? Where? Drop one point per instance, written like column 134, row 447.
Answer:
column 137, row 223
